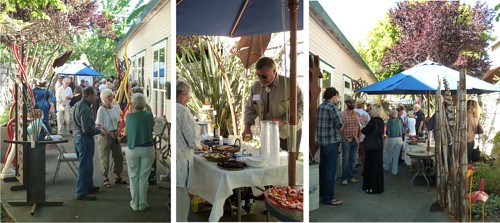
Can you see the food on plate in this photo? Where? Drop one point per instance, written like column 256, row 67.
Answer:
column 232, row 164
column 217, row 156
column 292, row 198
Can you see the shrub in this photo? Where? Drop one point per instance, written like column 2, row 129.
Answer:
column 491, row 175
column 491, row 209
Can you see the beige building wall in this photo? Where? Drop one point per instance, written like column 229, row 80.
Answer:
column 323, row 41
column 151, row 33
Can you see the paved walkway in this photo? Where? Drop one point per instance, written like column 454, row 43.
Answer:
column 396, row 204
column 112, row 204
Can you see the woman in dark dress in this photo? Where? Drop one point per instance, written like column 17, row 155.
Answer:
column 373, row 178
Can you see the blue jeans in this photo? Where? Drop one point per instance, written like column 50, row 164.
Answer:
column 329, row 155
column 349, row 153
column 84, row 146
column 139, row 163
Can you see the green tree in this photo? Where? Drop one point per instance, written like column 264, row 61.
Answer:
column 380, row 39
column 101, row 50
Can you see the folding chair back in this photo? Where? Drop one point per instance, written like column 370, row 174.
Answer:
column 63, row 157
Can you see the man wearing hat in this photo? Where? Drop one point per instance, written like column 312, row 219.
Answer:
column 350, row 134
column 365, row 118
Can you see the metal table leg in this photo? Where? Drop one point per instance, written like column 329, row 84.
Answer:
column 238, row 191
column 420, row 169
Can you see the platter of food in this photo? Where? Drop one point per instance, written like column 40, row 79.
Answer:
column 414, row 141
column 231, row 165
column 285, row 203
column 227, row 148
column 215, row 156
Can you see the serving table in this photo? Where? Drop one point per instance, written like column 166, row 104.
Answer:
column 216, row 185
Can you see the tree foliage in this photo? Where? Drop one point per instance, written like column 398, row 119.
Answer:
column 380, row 39
column 100, row 50
column 451, row 33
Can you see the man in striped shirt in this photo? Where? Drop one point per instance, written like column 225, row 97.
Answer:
column 350, row 134
column 328, row 138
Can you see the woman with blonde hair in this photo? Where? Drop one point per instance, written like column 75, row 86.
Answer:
column 373, row 178
column 473, row 128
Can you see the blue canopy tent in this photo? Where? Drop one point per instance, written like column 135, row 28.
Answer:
column 233, row 17
column 423, row 78
column 77, row 69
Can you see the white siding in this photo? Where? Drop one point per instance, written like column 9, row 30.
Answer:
column 154, row 28
column 322, row 42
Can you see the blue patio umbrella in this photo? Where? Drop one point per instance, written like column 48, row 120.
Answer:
column 423, row 78
column 77, row 69
column 233, row 17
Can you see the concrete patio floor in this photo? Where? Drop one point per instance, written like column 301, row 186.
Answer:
column 397, row 204
column 112, row 204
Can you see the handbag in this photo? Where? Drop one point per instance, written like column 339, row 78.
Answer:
column 373, row 139
column 476, row 154
column 479, row 129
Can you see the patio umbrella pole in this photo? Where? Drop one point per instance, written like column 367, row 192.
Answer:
column 293, row 6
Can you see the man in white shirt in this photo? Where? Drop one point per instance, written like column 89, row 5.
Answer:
column 365, row 118
column 63, row 97
column 58, row 83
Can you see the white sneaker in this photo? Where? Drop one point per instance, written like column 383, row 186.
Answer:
column 353, row 180
column 344, row 182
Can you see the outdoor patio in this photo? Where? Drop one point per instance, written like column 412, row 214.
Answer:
column 112, row 204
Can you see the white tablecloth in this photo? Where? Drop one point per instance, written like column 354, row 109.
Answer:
column 216, row 185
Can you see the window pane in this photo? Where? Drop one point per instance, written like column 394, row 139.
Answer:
column 162, row 68
column 156, row 68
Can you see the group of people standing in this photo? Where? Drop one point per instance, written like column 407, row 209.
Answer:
column 139, row 154
column 362, row 133
column 82, row 114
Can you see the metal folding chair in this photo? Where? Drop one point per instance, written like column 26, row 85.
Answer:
column 64, row 157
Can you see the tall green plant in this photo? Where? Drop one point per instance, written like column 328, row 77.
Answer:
column 198, row 66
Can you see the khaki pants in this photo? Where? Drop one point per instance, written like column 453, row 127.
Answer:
column 63, row 116
column 107, row 145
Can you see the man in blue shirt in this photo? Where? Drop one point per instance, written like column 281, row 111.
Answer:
column 328, row 138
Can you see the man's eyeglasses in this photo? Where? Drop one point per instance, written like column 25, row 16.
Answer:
column 262, row 76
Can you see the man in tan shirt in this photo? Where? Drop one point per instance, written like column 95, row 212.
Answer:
column 270, row 100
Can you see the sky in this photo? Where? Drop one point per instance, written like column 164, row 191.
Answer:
column 355, row 18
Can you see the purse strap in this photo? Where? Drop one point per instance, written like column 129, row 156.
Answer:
column 109, row 117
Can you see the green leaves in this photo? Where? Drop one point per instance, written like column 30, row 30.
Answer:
column 198, row 66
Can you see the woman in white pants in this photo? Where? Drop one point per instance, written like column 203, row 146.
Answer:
column 140, row 154
column 394, row 142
